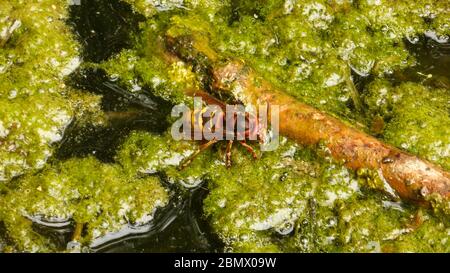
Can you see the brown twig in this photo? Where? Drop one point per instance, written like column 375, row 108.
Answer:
column 411, row 177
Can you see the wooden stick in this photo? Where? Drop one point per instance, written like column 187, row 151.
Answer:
column 411, row 177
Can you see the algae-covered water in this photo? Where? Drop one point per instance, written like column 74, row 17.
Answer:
column 88, row 163
column 181, row 226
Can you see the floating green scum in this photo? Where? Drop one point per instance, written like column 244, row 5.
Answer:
column 37, row 52
column 290, row 200
column 295, row 199
column 101, row 196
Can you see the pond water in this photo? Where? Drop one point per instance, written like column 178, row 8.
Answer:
column 103, row 29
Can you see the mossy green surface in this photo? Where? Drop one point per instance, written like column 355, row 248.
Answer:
column 37, row 51
column 416, row 118
column 307, row 48
column 144, row 67
column 85, row 191
column 146, row 153
column 291, row 200
column 295, row 199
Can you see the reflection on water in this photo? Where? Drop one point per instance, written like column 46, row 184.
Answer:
column 104, row 28
column 180, row 227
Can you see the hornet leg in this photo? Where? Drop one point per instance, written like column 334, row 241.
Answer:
column 191, row 158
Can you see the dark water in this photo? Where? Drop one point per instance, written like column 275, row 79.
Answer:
column 104, row 28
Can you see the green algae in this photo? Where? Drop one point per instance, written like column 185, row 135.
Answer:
column 312, row 208
column 295, row 199
column 37, row 51
column 290, row 200
column 145, row 153
column 144, row 67
column 86, row 191
column 308, row 49
column 416, row 118
column 305, row 48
